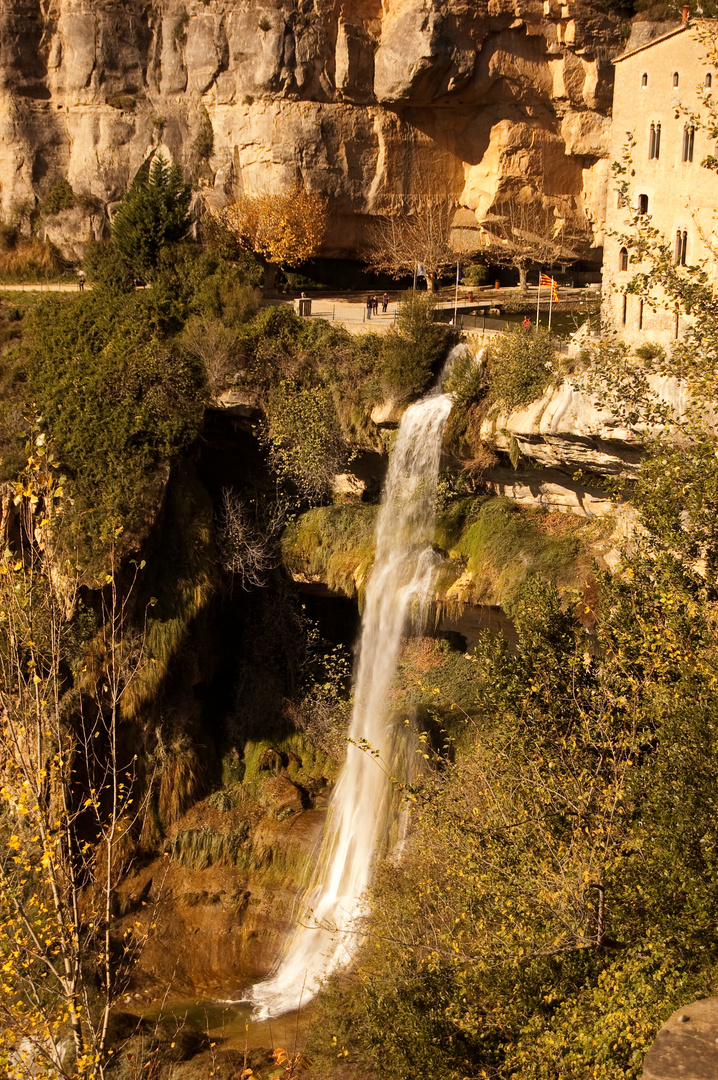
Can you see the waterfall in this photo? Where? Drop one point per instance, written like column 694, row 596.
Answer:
column 362, row 813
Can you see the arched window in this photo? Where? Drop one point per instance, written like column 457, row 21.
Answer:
column 675, row 78
column 689, row 136
column 644, row 79
column 624, row 309
column 623, row 259
column 654, row 142
column 640, row 314
column 642, row 204
column 680, row 247
column 709, row 81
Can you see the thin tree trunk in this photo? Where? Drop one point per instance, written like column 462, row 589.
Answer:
column 270, row 277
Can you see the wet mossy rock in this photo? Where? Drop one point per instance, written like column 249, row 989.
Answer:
column 333, row 545
column 490, row 545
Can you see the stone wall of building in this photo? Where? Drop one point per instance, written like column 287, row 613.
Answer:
column 660, row 87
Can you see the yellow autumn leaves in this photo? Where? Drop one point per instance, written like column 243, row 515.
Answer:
column 285, row 228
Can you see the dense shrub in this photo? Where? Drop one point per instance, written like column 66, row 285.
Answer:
column 305, row 438
column 59, row 197
column 476, row 274
column 203, row 145
column 556, row 899
column 412, row 351
column 278, row 345
column 520, row 366
column 118, row 400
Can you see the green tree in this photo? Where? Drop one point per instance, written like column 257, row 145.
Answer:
column 153, row 212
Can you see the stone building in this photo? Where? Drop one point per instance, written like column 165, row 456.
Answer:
column 660, row 93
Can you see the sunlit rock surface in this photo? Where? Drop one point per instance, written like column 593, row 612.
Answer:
column 367, row 102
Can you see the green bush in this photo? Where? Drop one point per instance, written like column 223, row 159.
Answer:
column 316, row 355
column 105, row 267
column 203, row 145
column 59, row 197
column 556, row 897
column 466, row 381
column 649, row 351
column 520, row 366
column 306, row 443
column 412, row 351
column 476, row 274
column 119, row 401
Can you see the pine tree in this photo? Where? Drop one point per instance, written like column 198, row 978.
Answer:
column 153, row 212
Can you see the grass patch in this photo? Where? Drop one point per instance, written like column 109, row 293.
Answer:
column 333, row 543
column 31, row 260
column 502, row 545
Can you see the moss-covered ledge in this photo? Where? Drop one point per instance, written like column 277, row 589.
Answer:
column 333, row 545
column 491, row 545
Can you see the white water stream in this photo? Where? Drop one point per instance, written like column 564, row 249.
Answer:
column 363, row 813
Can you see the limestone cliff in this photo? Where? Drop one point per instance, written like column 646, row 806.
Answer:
column 365, row 101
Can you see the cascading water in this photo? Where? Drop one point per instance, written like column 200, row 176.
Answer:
column 362, row 811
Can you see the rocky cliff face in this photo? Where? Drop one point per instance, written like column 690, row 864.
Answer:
column 368, row 102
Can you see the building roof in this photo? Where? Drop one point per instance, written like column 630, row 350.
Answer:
column 649, row 44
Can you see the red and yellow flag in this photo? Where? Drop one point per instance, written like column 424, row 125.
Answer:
column 544, row 279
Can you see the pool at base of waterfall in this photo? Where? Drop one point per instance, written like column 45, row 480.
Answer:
column 229, row 1023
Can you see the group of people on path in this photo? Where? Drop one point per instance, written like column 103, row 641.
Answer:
column 372, row 305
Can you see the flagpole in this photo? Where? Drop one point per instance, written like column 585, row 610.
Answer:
column 456, row 292
column 415, row 265
column 550, row 302
column 538, row 300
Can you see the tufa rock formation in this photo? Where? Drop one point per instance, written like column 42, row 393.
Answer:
column 372, row 104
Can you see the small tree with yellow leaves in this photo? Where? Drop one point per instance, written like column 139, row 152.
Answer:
column 282, row 228
column 68, row 802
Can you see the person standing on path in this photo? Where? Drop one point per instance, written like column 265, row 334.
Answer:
column 384, row 303
column 369, row 306
column 375, row 305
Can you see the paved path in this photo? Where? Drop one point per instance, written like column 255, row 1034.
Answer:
column 42, row 286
